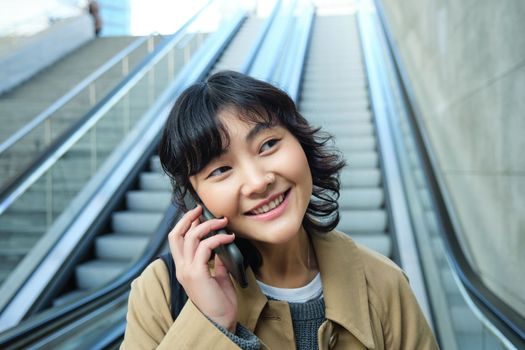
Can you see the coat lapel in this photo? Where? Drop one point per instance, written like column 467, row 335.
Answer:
column 344, row 284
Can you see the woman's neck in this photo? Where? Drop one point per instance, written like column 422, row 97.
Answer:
column 289, row 265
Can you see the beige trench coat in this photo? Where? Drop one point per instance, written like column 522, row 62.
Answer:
column 369, row 305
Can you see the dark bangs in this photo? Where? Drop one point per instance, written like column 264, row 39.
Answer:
column 194, row 135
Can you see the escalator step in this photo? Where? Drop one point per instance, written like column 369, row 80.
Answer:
column 361, row 143
column 97, row 273
column 154, row 181
column 148, row 201
column 360, row 178
column 155, row 164
column 362, row 160
column 379, row 242
column 135, row 222
column 360, row 221
column 361, row 198
column 118, row 246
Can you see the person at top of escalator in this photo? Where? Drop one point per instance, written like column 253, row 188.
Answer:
column 240, row 147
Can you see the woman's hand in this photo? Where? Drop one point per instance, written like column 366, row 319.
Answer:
column 214, row 295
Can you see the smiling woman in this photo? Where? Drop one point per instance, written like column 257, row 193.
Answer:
column 239, row 146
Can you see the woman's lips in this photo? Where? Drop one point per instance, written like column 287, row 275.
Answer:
column 275, row 212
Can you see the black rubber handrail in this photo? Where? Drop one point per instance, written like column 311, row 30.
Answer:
column 499, row 313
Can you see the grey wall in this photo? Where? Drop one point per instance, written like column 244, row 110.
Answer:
column 44, row 49
column 466, row 63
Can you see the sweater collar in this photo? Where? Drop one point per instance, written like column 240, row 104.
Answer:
column 344, row 288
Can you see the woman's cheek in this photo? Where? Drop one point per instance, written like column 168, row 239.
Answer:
column 221, row 202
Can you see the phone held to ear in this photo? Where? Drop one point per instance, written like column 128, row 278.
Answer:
column 230, row 254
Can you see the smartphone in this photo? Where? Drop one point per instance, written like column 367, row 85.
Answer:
column 229, row 253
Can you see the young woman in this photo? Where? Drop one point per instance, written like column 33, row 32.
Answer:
column 239, row 146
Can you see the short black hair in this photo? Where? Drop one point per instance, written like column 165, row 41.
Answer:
column 193, row 136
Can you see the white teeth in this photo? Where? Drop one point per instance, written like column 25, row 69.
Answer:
column 267, row 207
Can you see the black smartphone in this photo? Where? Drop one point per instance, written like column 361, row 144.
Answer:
column 229, row 253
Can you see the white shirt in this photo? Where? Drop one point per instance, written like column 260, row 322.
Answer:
column 312, row 291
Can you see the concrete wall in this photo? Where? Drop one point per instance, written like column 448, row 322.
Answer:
column 41, row 50
column 466, row 63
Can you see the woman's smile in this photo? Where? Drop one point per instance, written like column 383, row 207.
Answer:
column 272, row 209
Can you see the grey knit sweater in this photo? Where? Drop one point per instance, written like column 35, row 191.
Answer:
column 306, row 318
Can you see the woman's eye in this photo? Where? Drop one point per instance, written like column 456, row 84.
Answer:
column 269, row 144
column 219, row 171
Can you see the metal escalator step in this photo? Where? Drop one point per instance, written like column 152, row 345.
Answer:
column 118, row 246
column 361, row 221
column 155, row 164
column 312, row 91
column 234, row 56
column 379, row 242
column 360, row 177
column 135, row 222
column 148, row 201
column 350, row 130
column 97, row 273
column 358, row 143
column 343, row 116
column 154, row 182
column 361, row 198
column 358, row 109
column 362, row 160
column 334, row 103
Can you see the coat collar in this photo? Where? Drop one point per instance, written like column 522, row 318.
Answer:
column 344, row 288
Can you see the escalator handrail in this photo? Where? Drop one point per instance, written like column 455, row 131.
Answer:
column 506, row 319
column 250, row 59
column 67, row 97
column 14, row 189
column 51, row 320
column 382, row 106
column 264, row 66
column 295, row 65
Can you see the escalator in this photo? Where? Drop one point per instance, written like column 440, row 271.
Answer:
column 340, row 88
column 466, row 314
column 38, row 111
column 122, row 234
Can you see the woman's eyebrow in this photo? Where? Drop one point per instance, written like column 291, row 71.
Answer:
column 258, row 128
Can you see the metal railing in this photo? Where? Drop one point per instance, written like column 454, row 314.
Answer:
column 20, row 149
column 36, row 208
column 498, row 318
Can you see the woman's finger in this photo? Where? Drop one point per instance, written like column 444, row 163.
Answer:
column 205, row 248
column 176, row 235
column 194, row 237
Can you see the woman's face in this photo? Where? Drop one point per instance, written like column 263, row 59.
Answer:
column 261, row 183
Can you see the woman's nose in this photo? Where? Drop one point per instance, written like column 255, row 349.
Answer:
column 257, row 182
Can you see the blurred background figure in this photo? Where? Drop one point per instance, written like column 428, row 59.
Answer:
column 94, row 11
